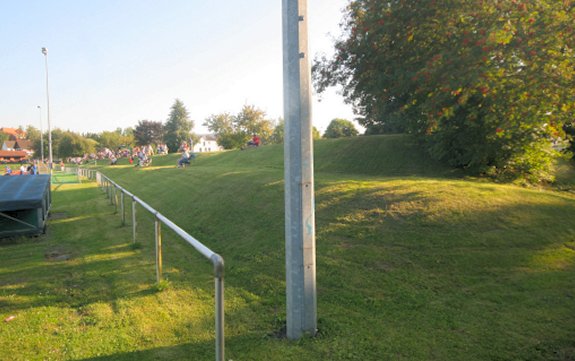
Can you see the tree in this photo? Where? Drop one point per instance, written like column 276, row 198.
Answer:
column 339, row 128
column 178, row 126
column 114, row 140
column 277, row 136
column 485, row 85
column 223, row 126
column 235, row 131
column 315, row 134
column 57, row 136
column 74, row 145
column 252, row 120
column 569, row 129
column 32, row 133
column 37, row 143
column 148, row 132
column 128, row 132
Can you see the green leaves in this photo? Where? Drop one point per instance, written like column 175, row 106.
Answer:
column 178, row 126
column 339, row 128
column 432, row 68
column 234, row 131
column 148, row 132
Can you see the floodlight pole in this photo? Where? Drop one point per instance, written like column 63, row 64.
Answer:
column 299, row 183
column 41, row 135
column 50, row 160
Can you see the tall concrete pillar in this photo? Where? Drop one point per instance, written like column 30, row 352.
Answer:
column 299, row 182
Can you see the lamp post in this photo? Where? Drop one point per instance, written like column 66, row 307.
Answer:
column 50, row 160
column 41, row 135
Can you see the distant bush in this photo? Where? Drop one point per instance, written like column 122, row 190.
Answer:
column 339, row 128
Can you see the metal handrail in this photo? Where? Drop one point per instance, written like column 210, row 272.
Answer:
column 111, row 188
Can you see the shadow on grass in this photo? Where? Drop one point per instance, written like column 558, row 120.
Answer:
column 443, row 270
column 53, row 283
column 81, row 260
column 189, row 351
column 483, row 265
column 180, row 352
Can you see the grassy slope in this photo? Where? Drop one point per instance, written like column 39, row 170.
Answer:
column 412, row 263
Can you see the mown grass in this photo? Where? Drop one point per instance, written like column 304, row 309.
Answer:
column 61, row 177
column 414, row 262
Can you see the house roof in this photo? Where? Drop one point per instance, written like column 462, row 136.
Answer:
column 13, row 154
column 18, row 133
column 24, row 144
column 208, row 136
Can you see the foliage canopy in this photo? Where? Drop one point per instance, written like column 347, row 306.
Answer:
column 486, row 84
column 148, row 132
column 72, row 144
column 115, row 139
column 178, row 126
column 278, row 134
column 339, row 128
column 234, row 131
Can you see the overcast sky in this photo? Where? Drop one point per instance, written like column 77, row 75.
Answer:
column 114, row 62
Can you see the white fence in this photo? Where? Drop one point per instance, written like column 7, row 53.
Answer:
column 112, row 189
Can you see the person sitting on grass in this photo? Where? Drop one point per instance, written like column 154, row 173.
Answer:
column 8, row 171
column 143, row 159
column 255, row 142
column 186, row 158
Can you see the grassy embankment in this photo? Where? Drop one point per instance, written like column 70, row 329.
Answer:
column 413, row 263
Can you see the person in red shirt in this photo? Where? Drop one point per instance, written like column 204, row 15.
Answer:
column 255, row 142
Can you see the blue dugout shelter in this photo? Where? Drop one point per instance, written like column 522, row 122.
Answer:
column 24, row 204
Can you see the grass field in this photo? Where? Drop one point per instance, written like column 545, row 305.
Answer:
column 414, row 262
column 62, row 178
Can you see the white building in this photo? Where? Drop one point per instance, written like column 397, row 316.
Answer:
column 207, row 143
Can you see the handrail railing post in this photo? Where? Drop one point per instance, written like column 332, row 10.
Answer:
column 158, row 227
column 115, row 199
column 218, row 263
column 134, row 222
column 122, row 207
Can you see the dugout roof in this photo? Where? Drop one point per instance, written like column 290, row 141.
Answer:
column 23, row 191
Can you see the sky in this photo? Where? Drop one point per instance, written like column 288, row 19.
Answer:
column 112, row 63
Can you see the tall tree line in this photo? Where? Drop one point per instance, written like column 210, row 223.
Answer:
column 177, row 129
